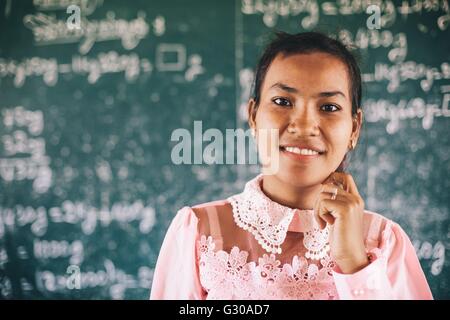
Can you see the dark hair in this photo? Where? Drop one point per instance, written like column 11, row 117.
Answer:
column 308, row 42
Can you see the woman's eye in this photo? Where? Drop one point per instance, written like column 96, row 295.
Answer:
column 330, row 106
column 282, row 102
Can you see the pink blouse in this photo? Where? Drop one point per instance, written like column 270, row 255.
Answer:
column 268, row 251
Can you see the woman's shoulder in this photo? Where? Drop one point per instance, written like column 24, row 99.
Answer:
column 375, row 217
column 209, row 214
column 380, row 229
column 372, row 218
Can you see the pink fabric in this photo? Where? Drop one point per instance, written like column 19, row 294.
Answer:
column 230, row 264
column 176, row 273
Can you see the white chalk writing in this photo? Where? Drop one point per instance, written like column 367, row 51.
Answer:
column 20, row 117
column 87, row 6
column 427, row 251
column 44, row 249
column 116, row 279
column 131, row 65
column 48, row 30
column 408, row 70
column 78, row 213
column 380, row 110
column 271, row 10
column 365, row 38
column 25, row 156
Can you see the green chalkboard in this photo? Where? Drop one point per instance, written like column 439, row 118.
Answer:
column 87, row 183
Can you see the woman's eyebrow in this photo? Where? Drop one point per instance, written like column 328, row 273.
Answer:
column 289, row 89
column 284, row 87
column 330, row 94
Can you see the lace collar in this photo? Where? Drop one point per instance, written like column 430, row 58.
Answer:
column 270, row 221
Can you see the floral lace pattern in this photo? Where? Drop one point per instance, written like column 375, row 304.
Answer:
column 316, row 242
column 269, row 221
column 229, row 275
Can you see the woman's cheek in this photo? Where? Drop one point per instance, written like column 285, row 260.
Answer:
column 268, row 149
column 271, row 118
column 339, row 140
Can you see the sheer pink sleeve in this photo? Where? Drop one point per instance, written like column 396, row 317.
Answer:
column 176, row 275
column 394, row 273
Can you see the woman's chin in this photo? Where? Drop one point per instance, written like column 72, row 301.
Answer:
column 301, row 178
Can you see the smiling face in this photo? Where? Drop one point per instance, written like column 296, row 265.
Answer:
column 307, row 97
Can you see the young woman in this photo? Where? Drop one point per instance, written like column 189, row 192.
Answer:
column 301, row 232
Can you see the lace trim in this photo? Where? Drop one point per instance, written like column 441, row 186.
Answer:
column 316, row 243
column 269, row 231
column 268, row 221
column 229, row 275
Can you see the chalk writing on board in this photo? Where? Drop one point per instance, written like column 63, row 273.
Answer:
column 415, row 108
column 365, row 38
column 271, row 10
column 111, row 62
column 115, row 279
column 427, row 251
column 5, row 283
column 3, row 255
column 33, row 120
column 52, row 249
column 176, row 50
column 87, row 6
column 110, row 276
column 24, row 155
column 48, row 30
column 390, row 11
column 408, row 70
column 79, row 213
column 19, row 142
column 425, row 6
column 345, row 8
column 131, row 65
column 47, row 68
column 5, row 287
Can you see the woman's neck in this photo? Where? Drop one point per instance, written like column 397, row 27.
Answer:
column 289, row 195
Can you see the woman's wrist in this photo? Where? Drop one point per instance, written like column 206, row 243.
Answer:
column 354, row 264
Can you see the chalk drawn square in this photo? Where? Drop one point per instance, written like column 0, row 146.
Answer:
column 170, row 57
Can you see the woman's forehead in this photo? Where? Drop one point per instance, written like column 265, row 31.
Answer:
column 308, row 73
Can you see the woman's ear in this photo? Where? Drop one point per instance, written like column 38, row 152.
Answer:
column 251, row 109
column 357, row 120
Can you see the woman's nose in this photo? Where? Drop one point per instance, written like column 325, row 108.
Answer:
column 304, row 121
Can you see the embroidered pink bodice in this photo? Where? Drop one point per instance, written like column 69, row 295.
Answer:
column 229, row 276
column 250, row 247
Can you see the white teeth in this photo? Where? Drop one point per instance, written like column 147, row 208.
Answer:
column 301, row 151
